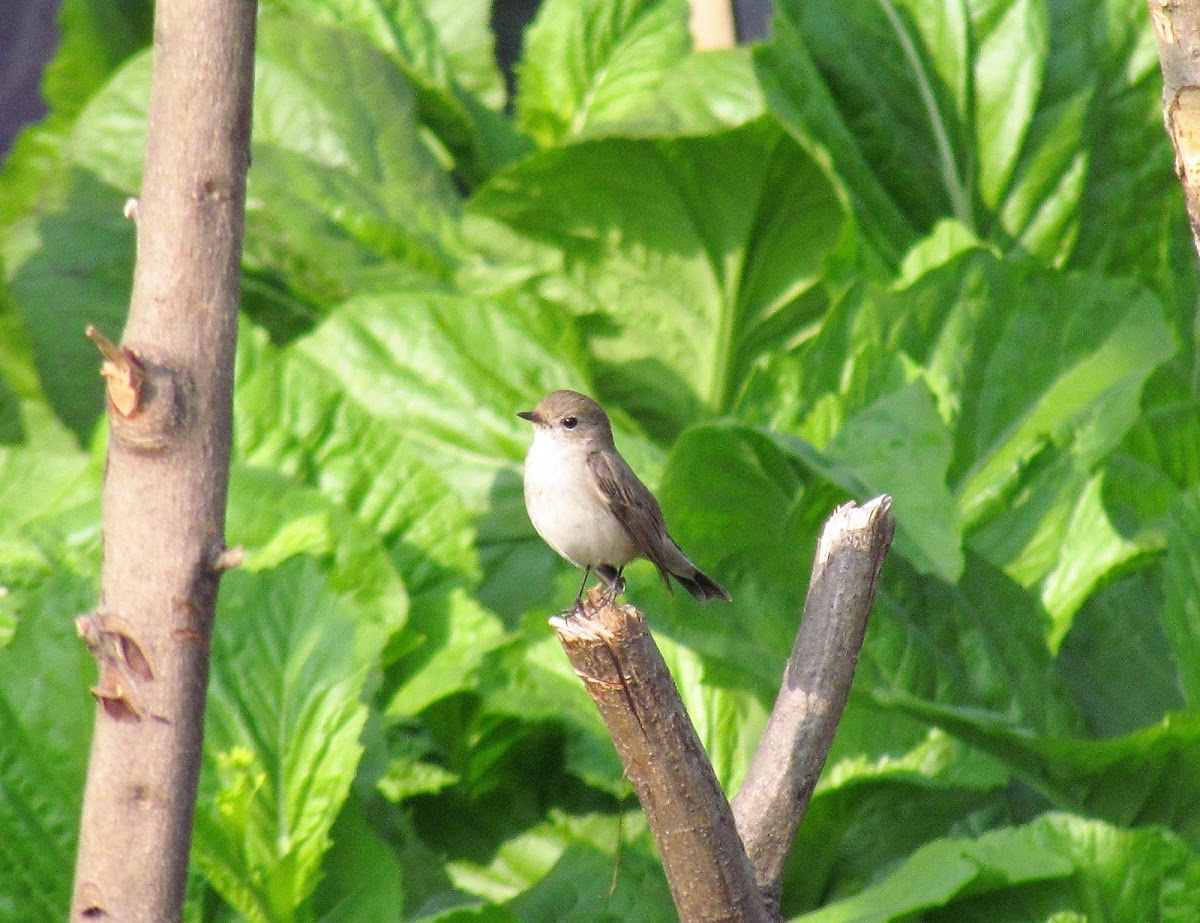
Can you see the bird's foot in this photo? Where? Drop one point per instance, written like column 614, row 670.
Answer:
column 614, row 588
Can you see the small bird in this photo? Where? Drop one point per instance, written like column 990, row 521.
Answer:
column 587, row 504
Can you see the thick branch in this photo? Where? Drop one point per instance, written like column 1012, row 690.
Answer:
column 774, row 796
column 169, row 403
column 712, row 24
column 709, row 874
column 1177, row 28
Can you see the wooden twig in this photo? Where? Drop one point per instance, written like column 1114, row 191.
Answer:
column 712, row 24
column 169, row 387
column 612, row 651
column 774, row 796
column 1177, row 28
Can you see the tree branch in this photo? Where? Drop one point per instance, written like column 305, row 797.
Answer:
column 706, row 867
column 712, row 24
column 1177, row 28
column 169, row 392
column 816, row 684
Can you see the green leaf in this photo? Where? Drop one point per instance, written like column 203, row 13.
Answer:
column 996, row 630
column 1121, row 664
column 445, row 43
column 281, row 737
column 451, row 640
column 706, row 254
column 361, row 879
column 728, row 720
column 276, row 520
column 343, row 193
column 870, row 813
column 718, row 480
column 904, row 96
column 78, row 272
column 1132, row 219
column 626, row 68
column 556, row 870
column 407, row 776
column 35, row 483
column 899, row 445
column 465, row 31
column 583, row 60
column 450, row 371
column 446, row 51
column 1160, row 441
column 1083, row 382
column 293, row 417
column 795, row 92
column 1140, row 778
column 1055, row 864
column 1092, row 550
column 47, row 717
column 1034, row 120
column 1011, row 48
column 531, row 679
column 1181, row 611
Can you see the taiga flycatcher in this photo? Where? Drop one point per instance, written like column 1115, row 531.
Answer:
column 589, row 506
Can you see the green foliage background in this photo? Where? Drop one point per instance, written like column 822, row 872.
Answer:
column 929, row 247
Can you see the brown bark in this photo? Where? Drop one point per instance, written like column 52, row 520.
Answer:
column 712, row 24
column 816, row 684
column 711, row 874
column 169, row 405
column 1177, row 28
column 706, row 867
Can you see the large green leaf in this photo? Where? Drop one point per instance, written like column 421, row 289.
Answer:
column 281, row 737
column 556, row 870
column 78, row 273
column 94, row 37
column 275, row 520
column 689, row 258
column 47, row 716
column 291, row 416
column 361, row 875
column 626, row 68
column 342, row 187
column 1121, row 658
column 1053, row 865
column 583, row 60
column 1003, row 114
column 1032, row 429
column 446, row 51
column 446, row 43
column 1181, row 609
column 1139, row 778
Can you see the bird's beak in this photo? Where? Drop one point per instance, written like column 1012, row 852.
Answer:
column 532, row 416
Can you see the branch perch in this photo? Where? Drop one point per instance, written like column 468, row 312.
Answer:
column 611, row 649
column 711, row 874
column 816, row 684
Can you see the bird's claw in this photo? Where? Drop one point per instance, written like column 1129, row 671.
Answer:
column 613, row 590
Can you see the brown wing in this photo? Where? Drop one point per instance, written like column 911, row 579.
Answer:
column 635, row 508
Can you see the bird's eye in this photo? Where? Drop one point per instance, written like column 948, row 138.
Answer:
column 570, row 422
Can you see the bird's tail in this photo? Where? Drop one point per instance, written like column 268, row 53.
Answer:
column 702, row 586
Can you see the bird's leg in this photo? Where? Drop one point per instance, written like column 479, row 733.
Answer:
column 578, row 607
column 614, row 583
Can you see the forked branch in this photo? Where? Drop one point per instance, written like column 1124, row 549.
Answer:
column 712, row 875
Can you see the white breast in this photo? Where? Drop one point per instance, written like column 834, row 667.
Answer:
column 566, row 509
